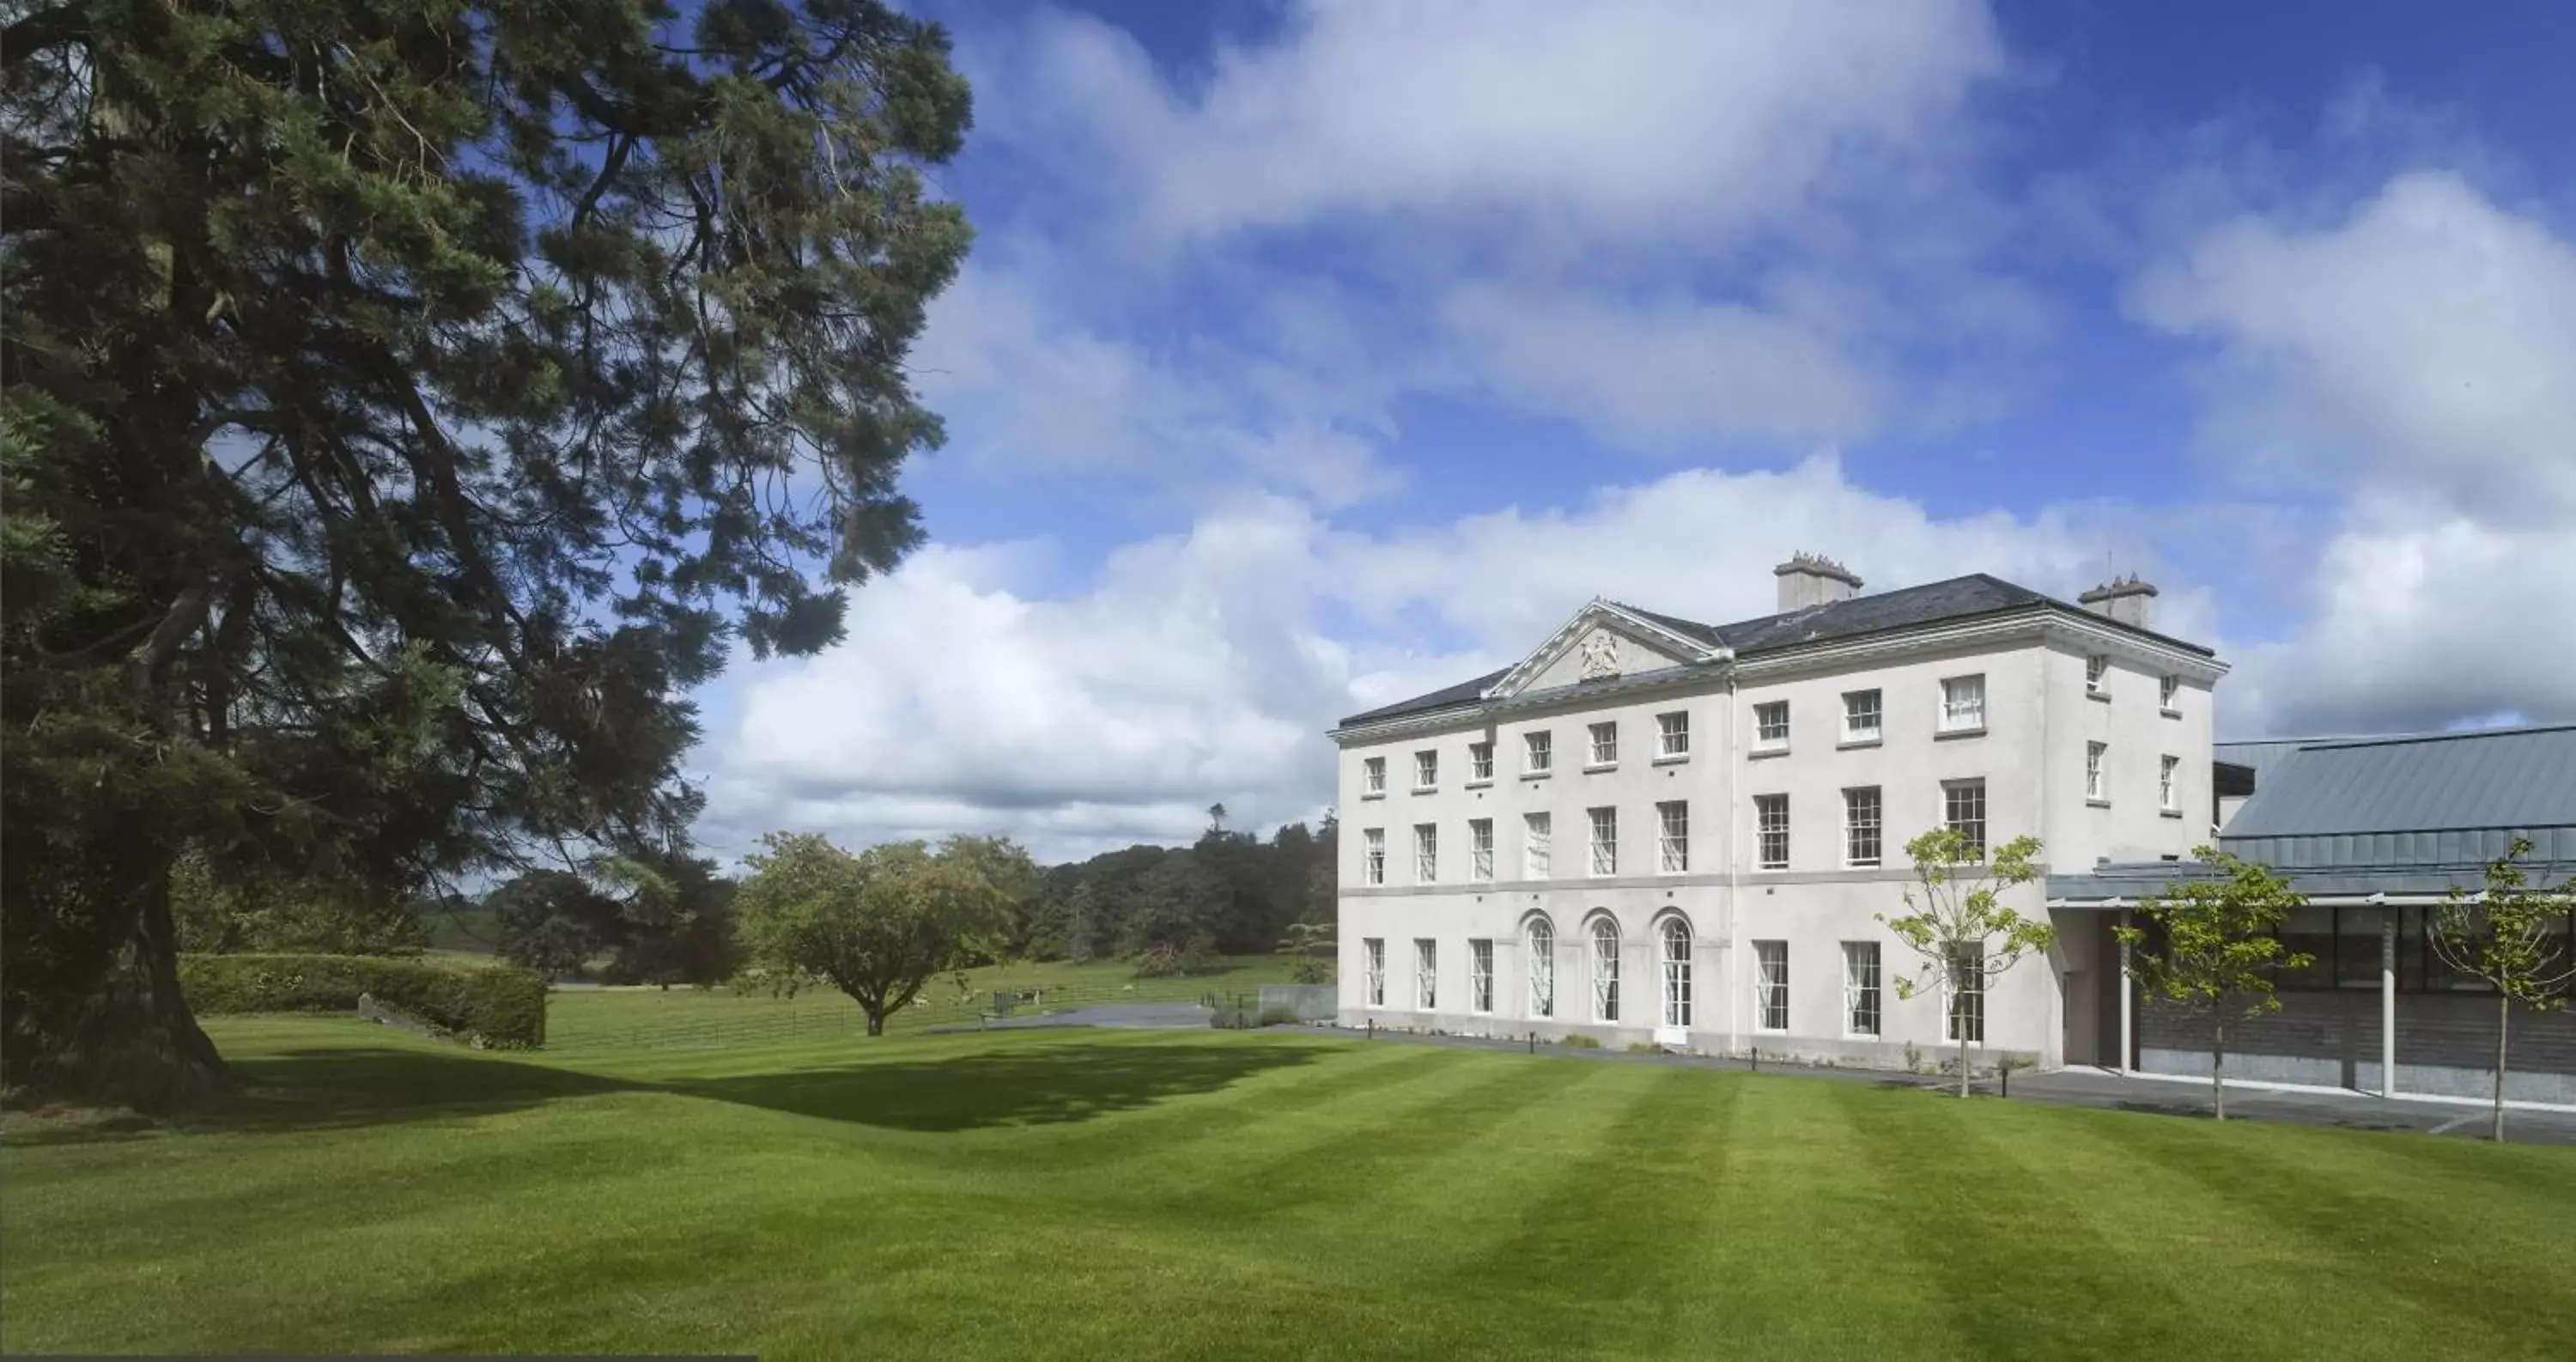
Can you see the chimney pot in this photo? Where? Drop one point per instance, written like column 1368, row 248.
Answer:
column 1810, row 579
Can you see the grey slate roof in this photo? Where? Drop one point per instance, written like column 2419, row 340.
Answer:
column 1462, row 693
column 1960, row 598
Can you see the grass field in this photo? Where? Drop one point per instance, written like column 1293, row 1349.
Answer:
column 625, row 1018
column 1241, row 1195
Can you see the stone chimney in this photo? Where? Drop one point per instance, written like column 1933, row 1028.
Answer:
column 2127, row 600
column 1810, row 580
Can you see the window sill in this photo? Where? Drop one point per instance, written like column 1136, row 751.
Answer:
column 1596, row 767
column 1372, row 794
column 1536, row 775
column 1760, row 752
column 2169, row 813
column 1848, row 744
column 1426, row 789
column 1977, row 732
column 2102, row 695
column 1863, row 865
column 1486, row 783
column 2097, row 803
column 1770, row 870
column 2170, row 712
column 1675, row 759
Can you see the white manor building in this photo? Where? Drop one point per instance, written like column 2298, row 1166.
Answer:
column 1655, row 830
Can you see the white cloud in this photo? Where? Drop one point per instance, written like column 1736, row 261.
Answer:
column 2425, row 346
column 1632, row 117
column 2422, row 622
column 1029, row 383
column 1660, row 373
column 1679, row 225
column 1181, row 677
column 1206, row 666
column 2417, row 362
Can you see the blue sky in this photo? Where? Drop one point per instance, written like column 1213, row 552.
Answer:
column 1314, row 354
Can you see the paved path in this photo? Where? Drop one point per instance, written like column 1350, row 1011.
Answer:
column 2301, row 1106
column 2102, row 1088
column 1115, row 1016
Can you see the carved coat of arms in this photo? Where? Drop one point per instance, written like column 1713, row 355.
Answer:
column 1600, row 656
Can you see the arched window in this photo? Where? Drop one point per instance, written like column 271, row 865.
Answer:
column 1677, row 973
column 1605, row 970
column 1542, row 968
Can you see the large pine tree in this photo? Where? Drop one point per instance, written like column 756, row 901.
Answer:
column 406, row 401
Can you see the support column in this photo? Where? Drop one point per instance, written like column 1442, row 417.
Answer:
column 2128, row 1005
column 2388, row 1002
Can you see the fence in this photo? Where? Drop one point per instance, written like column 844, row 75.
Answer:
column 1310, row 1002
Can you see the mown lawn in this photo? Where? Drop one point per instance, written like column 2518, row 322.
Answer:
column 1241, row 1195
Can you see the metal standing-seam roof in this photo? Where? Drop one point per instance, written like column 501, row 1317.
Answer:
column 2414, row 803
column 2492, row 778
column 2261, row 755
column 2350, row 817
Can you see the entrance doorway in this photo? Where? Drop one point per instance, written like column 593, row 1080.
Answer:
column 1674, row 943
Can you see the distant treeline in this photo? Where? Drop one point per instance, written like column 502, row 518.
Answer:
column 668, row 919
column 1229, row 893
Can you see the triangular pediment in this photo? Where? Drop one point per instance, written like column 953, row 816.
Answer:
column 1602, row 642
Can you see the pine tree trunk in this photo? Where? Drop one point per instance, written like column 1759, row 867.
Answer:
column 128, row 1038
column 2504, row 1010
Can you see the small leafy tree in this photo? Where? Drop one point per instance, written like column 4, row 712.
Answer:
column 554, row 922
column 1956, row 920
column 878, row 925
column 1310, row 944
column 2218, row 950
column 2510, row 934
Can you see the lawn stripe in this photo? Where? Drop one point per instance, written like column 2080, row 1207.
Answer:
column 1611, row 1238
column 1328, row 1154
column 1337, row 1078
column 2023, row 1273
column 2370, row 1223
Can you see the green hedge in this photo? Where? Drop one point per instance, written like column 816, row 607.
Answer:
column 495, row 1005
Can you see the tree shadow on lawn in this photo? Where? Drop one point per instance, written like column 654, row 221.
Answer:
column 1039, row 1085
column 335, row 1088
column 351, row 1087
